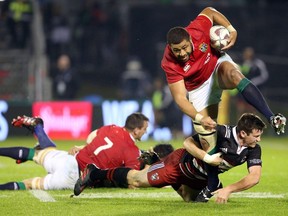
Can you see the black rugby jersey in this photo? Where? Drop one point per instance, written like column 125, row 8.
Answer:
column 232, row 154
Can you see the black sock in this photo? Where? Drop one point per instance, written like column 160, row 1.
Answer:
column 254, row 97
column 44, row 140
column 13, row 186
column 213, row 179
column 18, row 153
column 98, row 175
column 118, row 176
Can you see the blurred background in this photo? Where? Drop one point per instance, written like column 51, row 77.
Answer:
column 96, row 50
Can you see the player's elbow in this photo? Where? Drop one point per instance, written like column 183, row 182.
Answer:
column 254, row 181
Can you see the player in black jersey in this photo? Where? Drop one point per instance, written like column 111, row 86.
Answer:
column 186, row 173
column 236, row 144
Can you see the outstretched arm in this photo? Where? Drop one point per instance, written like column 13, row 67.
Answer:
column 247, row 182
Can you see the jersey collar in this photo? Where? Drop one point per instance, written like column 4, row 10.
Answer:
column 239, row 147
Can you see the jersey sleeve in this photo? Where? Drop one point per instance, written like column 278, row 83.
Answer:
column 254, row 156
column 201, row 23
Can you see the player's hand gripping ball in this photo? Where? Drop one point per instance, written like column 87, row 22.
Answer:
column 219, row 36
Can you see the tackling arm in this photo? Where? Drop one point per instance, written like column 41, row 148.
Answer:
column 245, row 183
column 194, row 149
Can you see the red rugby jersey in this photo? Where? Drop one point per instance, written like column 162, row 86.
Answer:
column 112, row 147
column 202, row 60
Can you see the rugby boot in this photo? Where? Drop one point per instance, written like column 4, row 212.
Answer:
column 278, row 122
column 27, row 122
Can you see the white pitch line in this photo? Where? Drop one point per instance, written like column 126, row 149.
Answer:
column 97, row 195
column 43, row 196
column 258, row 195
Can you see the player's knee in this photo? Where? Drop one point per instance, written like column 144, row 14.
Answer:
column 207, row 138
column 229, row 75
column 187, row 197
column 37, row 183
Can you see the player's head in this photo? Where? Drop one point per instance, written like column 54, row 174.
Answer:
column 180, row 43
column 162, row 150
column 250, row 121
column 137, row 124
column 250, row 128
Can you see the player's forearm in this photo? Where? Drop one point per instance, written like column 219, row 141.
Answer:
column 185, row 106
column 179, row 94
column 244, row 184
column 216, row 17
column 191, row 146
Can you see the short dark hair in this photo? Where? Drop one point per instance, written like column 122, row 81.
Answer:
column 162, row 150
column 135, row 120
column 176, row 35
column 250, row 121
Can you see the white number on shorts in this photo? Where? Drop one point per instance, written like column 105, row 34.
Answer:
column 106, row 146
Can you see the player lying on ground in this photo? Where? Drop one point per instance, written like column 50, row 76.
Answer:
column 186, row 173
column 63, row 168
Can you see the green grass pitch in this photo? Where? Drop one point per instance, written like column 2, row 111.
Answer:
column 269, row 197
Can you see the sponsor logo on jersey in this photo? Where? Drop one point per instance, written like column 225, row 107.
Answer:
column 224, row 150
column 255, row 161
column 228, row 131
column 187, row 67
column 203, row 47
column 207, row 58
column 154, row 177
column 224, row 166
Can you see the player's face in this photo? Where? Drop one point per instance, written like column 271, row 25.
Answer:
column 182, row 50
column 139, row 132
column 252, row 139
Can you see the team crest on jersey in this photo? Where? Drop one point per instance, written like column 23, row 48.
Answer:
column 154, row 177
column 203, row 47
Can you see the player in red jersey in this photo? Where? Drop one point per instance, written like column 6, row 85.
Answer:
column 187, row 174
column 114, row 146
column 192, row 65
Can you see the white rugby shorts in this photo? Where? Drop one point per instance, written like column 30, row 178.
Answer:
column 209, row 92
column 62, row 170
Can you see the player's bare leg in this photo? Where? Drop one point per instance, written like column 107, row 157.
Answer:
column 136, row 178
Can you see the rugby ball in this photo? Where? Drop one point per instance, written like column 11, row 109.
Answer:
column 219, row 36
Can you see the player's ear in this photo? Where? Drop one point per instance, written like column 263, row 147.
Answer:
column 135, row 132
column 243, row 133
